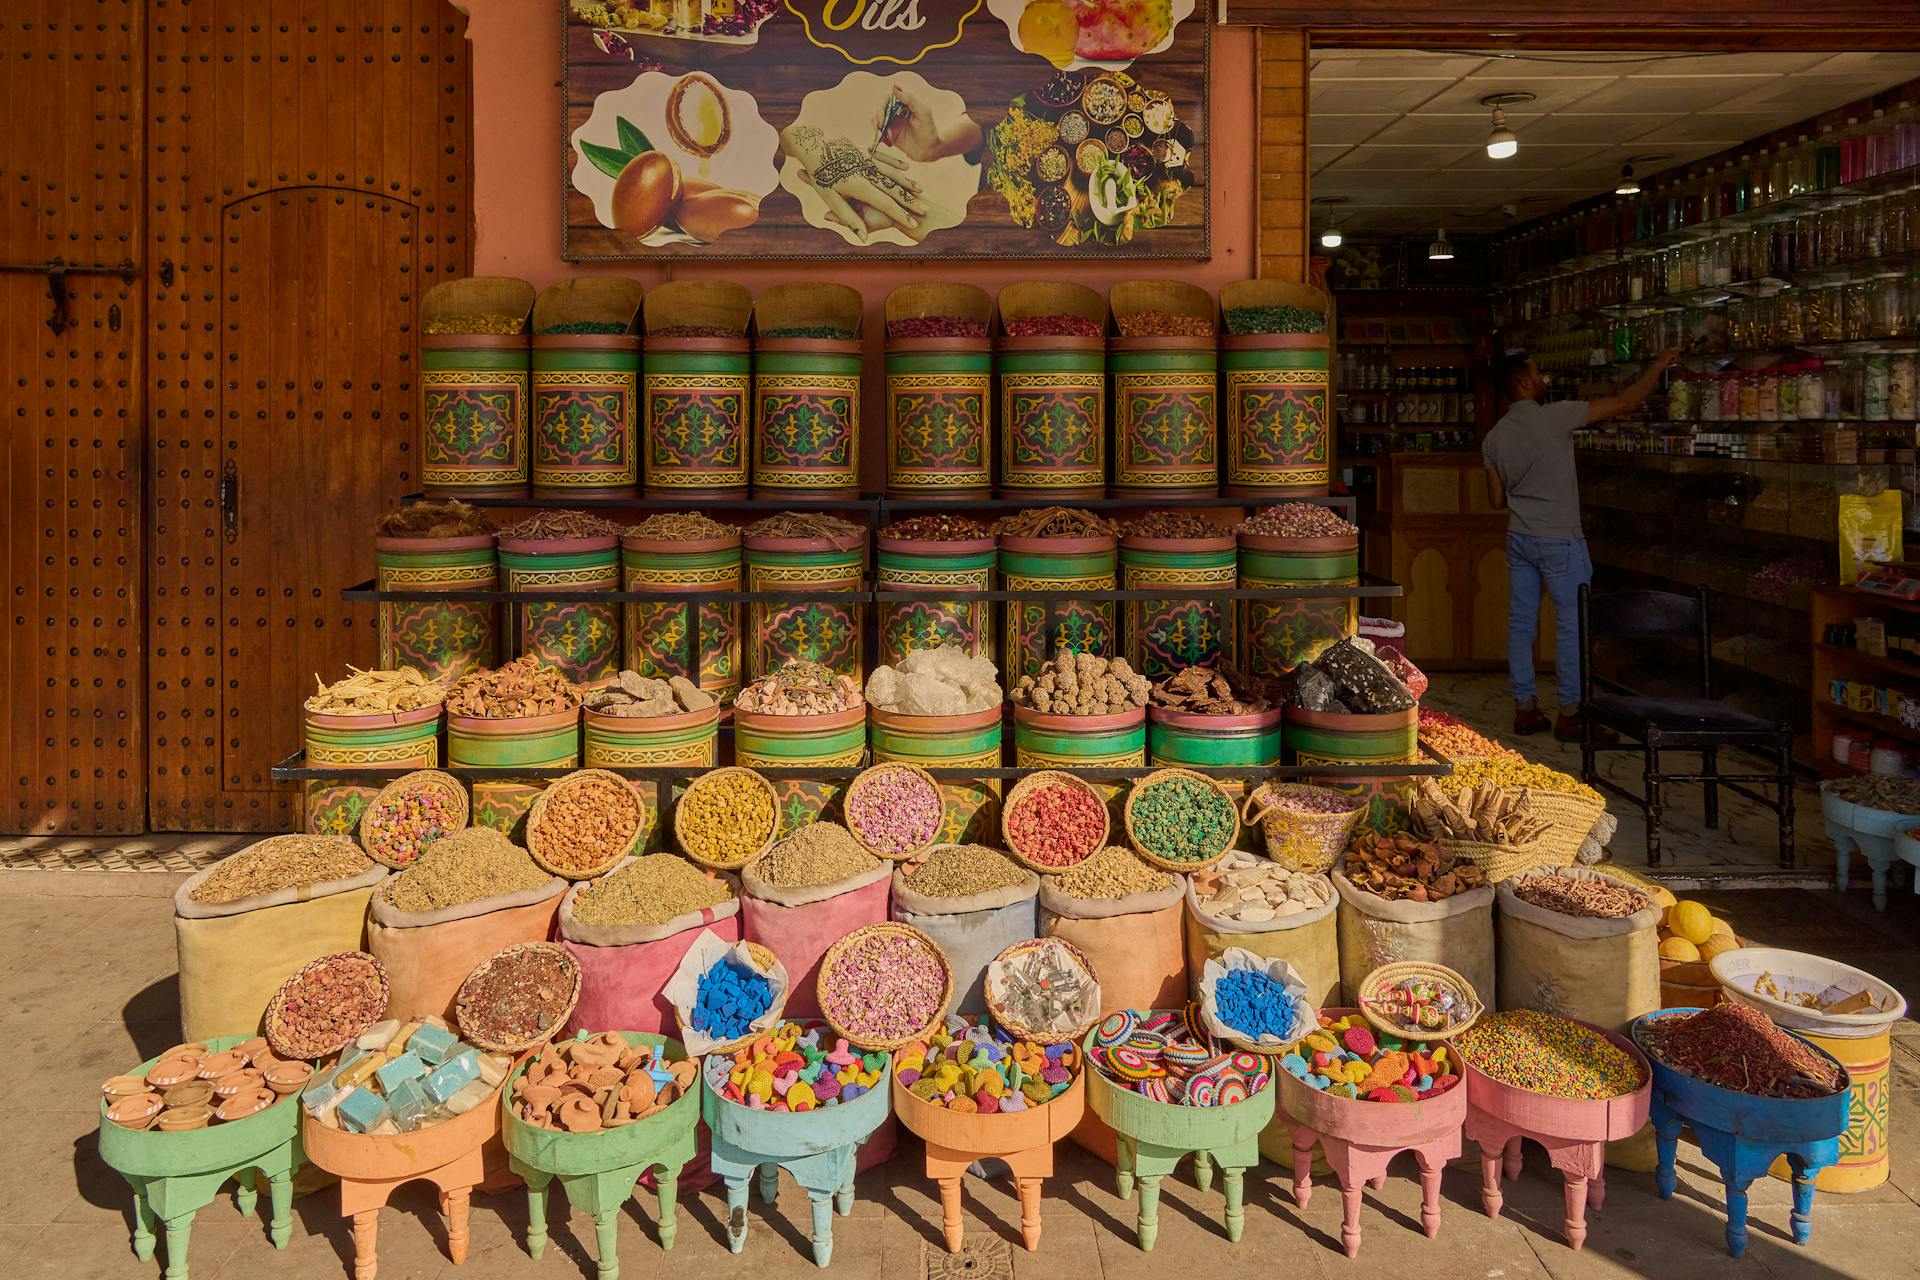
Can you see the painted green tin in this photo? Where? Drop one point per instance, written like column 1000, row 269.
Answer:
column 1035, row 630
column 971, row 809
column 1043, row 741
column 1279, row 428
column 1278, row 635
column 762, row 741
column 1336, row 738
column 698, row 641
column 1053, row 417
column 474, row 392
column 821, row 630
column 442, row 639
column 1165, row 636
column 580, row 638
column 689, row 738
column 928, row 567
column 697, row 393
column 585, row 394
column 1165, row 416
column 396, row 740
column 528, row 742
column 806, row 418
column 939, row 443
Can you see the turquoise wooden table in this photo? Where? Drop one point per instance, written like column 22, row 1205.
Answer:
column 819, row 1148
column 1743, row 1135
column 1878, row 834
column 1151, row 1138
column 174, row 1175
column 599, row 1170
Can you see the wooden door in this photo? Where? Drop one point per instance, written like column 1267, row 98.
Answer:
column 71, row 745
column 307, row 182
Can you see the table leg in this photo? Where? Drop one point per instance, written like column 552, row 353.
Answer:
column 606, row 1236
column 1801, row 1220
column 179, row 1229
column 1234, row 1181
column 1511, row 1159
column 144, row 1221
column 1202, row 1171
column 1666, row 1140
column 1302, row 1167
column 1430, row 1170
column 667, row 1190
column 843, row 1198
column 1147, row 1228
column 1350, row 1221
column 822, row 1227
column 736, row 1213
column 1575, row 1191
column 1491, row 1198
column 366, row 1244
column 950, row 1212
column 1736, row 1218
column 247, row 1193
column 280, row 1201
column 1030, row 1212
column 1597, row 1192
column 769, row 1183
column 458, row 1203
column 537, row 1181
column 1124, row 1158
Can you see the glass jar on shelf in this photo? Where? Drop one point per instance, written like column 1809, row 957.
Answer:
column 1788, row 396
column 1729, row 388
column 1806, row 242
column 1856, row 312
column 1889, row 299
column 1748, row 394
column 1790, row 317
column 1687, row 268
column 1877, row 387
column 1870, row 228
column 1823, row 314
column 1842, row 389
column 1901, row 400
column 1717, row 255
column 1768, row 382
column 1707, row 408
column 1741, row 332
column 1896, row 216
column 1812, row 390
column 1833, row 233
column 1765, row 312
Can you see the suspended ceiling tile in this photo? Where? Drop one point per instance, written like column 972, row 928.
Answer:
column 1718, row 64
column 1391, row 157
column 1343, row 97
column 1595, row 130
column 1347, row 130
column 1673, row 95
column 1887, row 69
column 1550, row 93
column 1395, row 65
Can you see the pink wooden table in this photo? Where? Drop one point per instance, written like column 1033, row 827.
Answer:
column 1361, row 1138
column 1574, row 1131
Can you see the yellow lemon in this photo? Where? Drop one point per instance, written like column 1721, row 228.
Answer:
column 1691, row 921
column 1718, row 943
column 1678, row 949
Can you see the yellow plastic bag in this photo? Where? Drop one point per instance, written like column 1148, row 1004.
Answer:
column 1870, row 532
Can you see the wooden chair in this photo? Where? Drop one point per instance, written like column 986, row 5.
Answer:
column 1653, row 725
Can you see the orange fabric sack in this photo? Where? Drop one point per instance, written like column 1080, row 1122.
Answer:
column 1136, row 944
column 426, row 963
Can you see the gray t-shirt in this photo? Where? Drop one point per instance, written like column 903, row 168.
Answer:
column 1531, row 449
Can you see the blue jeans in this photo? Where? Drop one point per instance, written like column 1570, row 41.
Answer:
column 1562, row 564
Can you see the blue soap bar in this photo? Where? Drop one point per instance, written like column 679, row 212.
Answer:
column 319, row 1091
column 434, row 1044
column 409, row 1104
column 405, row 1067
column 361, row 1110
column 453, row 1075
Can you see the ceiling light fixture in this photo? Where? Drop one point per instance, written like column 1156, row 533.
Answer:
column 1441, row 250
column 1330, row 237
column 1502, row 143
column 1628, row 184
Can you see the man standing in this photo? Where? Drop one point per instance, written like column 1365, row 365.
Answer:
column 1530, row 475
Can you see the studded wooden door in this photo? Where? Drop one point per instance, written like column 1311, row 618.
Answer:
column 308, row 179
column 70, row 526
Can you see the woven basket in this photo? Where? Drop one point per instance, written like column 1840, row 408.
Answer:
column 1164, row 775
column 273, row 1021
column 419, row 779
column 518, row 949
column 870, row 775
column 536, row 816
column 706, row 779
column 768, row 963
column 1033, row 782
column 1505, row 861
column 1310, row 842
column 1388, row 975
column 1021, row 1029
column 866, row 1042
column 1570, row 817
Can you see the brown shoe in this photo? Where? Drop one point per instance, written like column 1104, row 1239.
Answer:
column 1567, row 728
column 1530, row 719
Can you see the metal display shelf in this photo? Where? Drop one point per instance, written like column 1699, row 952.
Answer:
column 1366, row 589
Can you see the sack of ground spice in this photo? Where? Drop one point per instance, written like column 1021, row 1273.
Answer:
column 1599, row 969
column 974, row 902
column 806, row 893
column 1456, row 931
column 251, row 921
column 470, row 895
column 1124, row 914
column 1259, row 906
column 631, row 928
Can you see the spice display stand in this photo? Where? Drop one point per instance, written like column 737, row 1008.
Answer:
column 819, row 1148
column 1023, row 1139
column 455, row 1155
column 1743, row 1135
column 1151, row 1138
column 1878, row 834
column 175, row 1175
column 1574, row 1131
column 599, row 1170
column 1360, row 1139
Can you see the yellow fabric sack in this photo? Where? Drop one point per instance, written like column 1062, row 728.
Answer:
column 1603, row 971
column 233, row 958
column 1308, row 940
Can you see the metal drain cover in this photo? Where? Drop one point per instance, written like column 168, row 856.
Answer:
column 986, row 1260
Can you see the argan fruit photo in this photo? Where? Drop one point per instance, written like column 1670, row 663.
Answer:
column 645, row 193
